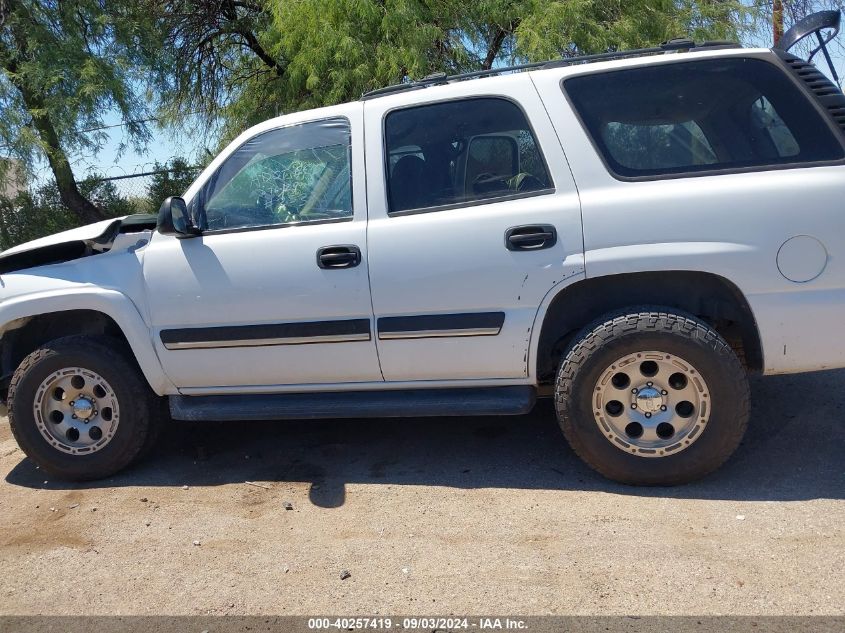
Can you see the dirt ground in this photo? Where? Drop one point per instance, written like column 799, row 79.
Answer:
column 463, row 516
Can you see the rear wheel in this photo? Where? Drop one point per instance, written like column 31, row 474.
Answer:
column 80, row 409
column 652, row 397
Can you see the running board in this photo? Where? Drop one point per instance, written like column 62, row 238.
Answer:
column 515, row 400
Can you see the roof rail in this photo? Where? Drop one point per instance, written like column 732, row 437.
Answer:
column 675, row 45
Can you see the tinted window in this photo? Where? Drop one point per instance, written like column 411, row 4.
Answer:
column 699, row 116
column 491, row 155
column 460, row 152
column 638, row 146
column 289, row 175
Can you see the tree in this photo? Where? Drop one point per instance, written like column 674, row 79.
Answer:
column 239, row 62
column 30, row 215
column 215, row 52
column 63, row 65
column 336, row 49
column 170, row 180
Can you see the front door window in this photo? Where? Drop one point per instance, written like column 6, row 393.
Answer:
column 295, row 174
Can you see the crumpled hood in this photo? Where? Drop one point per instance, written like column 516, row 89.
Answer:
column 68, row 245
column 89, row 232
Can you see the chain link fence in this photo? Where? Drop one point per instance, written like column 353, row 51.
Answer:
column 144, row 192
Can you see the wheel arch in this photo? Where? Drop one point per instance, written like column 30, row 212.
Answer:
column 28, row 322
column 711, row 297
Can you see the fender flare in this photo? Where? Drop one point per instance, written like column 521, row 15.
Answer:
column 116, row 305
column 750, row 331
column 540, row 317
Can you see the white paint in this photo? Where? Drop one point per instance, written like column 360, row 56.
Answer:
column 81, row 234
column 455, row 260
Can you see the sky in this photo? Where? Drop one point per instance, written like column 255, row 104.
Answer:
column 166, row 145
column 110, row 161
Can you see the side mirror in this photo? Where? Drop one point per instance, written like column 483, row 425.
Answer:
column 173, row 218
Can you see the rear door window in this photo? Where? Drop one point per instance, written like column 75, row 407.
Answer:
column 461, row 152
column 700, row 116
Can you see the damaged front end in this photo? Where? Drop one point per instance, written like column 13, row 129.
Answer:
column 73, row 244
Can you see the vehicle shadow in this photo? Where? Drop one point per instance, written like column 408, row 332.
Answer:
column 792, row 451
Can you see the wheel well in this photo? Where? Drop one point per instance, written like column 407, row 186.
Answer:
column 712, row 298
column 18, row 343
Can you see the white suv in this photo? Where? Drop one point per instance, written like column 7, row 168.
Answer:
column 631, row 235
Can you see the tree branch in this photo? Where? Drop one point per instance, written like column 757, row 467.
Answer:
column 495, row 45
column 254, row 45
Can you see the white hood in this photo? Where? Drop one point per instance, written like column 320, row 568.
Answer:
column 93, row 233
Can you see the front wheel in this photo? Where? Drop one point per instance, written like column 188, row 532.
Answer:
column 79, row 408
column 652, row 398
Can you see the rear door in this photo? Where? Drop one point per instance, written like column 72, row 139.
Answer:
column 473, row 218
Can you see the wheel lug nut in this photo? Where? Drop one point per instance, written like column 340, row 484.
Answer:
column 650, row 384
column 635, row 390
column 663, row 408
column 648, row 415
column 633, row 405
column 663, row 391
column 73, row 416
column 72, row 403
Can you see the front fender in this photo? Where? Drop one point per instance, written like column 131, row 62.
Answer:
column 114, row 304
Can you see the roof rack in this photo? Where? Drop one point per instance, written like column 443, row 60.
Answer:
column 675, row 45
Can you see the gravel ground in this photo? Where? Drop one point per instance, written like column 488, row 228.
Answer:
column 473, row 515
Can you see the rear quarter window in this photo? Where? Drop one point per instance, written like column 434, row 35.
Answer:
column 700, row 116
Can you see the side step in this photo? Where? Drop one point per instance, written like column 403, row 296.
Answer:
column 515, row 400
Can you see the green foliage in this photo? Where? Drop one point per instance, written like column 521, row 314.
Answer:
column 27, row 217
column 71, row 62
column 63, row 67
column 337, row 49
column 331, row 51
column 217, row 61
column 172, row 179
column 571, row 27
column 30, row 215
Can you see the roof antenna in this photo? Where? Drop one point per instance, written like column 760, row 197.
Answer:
column 814, row 24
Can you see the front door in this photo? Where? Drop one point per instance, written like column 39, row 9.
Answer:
column 275, row 291
column 474, row 218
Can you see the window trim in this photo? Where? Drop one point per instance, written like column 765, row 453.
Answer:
column 464, row 204
column 707, row 172
column 475, row 203
column 267, row 227
column 212, row 179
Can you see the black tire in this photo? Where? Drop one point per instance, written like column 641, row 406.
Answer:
column 648, row 328
column 136, row 400
column 159, row 416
